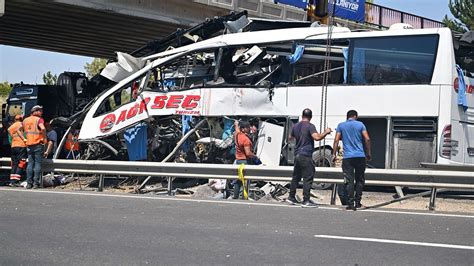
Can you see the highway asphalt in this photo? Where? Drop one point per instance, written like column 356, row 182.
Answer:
column 44, row 227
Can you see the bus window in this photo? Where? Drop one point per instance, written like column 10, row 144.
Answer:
column 242, row 66
column 392, row 60
column 124, row 95
column 309, row 69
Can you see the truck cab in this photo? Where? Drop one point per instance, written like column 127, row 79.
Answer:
column 63, row 99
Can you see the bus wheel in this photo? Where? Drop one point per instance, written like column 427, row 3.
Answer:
column 322, row 158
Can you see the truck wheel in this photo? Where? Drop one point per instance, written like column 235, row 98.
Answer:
column 322, row 159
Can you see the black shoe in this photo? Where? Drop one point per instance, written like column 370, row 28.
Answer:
column 350, row 208
column 292, row 201
column 35, row 187
column 14, row 184
column 29, row 186
column 309, row 204
column 358, row 205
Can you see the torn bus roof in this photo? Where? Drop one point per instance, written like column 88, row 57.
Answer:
column 127, row 64
column 256, row 37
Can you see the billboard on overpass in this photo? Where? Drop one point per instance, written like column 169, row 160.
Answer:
column 346, row 9
column 349, row 9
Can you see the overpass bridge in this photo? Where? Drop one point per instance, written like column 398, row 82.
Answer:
column 98, row 28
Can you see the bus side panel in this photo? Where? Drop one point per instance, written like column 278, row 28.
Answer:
column 457, row 142
column 462, row 122
column 369, row 101
column 468, row 130
column 443, row 72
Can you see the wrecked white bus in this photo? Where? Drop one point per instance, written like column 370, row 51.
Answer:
column 403, row 83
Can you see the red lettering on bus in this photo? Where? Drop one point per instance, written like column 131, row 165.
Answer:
column 174, row 101
column 191, row 101
column 133, row 111
column 143, row 104
column 122, row 117
column 159, row 102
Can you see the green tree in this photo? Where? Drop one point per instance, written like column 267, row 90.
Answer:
column 5, row 89
column 453, row 24
column 462, row 10
column 95, row 66
column 49, row 78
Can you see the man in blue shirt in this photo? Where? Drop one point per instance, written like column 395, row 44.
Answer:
column 353, row 135
column 305, row 134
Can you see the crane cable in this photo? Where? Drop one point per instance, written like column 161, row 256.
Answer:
column 324, row 85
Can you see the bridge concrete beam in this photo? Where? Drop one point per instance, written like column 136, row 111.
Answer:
column 96, row 28
column 179, row 12
column 99, row 28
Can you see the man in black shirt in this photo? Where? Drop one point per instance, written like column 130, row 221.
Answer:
column 305, row 134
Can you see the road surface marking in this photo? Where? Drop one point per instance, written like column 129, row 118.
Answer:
column 220, row 201
column 399, row 242
column 419, row 213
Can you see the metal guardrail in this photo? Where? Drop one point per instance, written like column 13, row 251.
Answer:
column 375, row 15
column 433, row 179
column 449, row 167
column 384, row 17
column 375, row 177
column 260, row 8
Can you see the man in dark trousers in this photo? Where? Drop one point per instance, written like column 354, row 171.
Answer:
column 305, row 134
column 18, row 150
column 354, row 135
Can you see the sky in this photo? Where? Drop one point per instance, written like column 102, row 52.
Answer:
column 28, row 65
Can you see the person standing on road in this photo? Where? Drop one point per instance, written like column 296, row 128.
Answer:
column 356, row 145
column 243, row 150
column 35, row 139
column 18, row 150
column 305, row 134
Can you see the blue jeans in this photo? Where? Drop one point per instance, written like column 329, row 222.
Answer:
column 35, row 157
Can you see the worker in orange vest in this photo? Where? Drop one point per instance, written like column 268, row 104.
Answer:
column 18, row 150
column 71, row 142
column 35, row 139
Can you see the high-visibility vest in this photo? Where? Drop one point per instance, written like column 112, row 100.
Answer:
column 71, row 142
column 17, row 141
column 33, row 134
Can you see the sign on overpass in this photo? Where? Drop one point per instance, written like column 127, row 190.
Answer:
column 349, row 9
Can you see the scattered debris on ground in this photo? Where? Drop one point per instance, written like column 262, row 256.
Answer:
column 260, row 191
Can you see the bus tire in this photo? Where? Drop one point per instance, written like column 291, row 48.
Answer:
column 322, row 159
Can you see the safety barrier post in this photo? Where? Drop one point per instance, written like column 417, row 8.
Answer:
column 170, row 186
column 333, row 194
column 101, row 183
column 433, row 199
